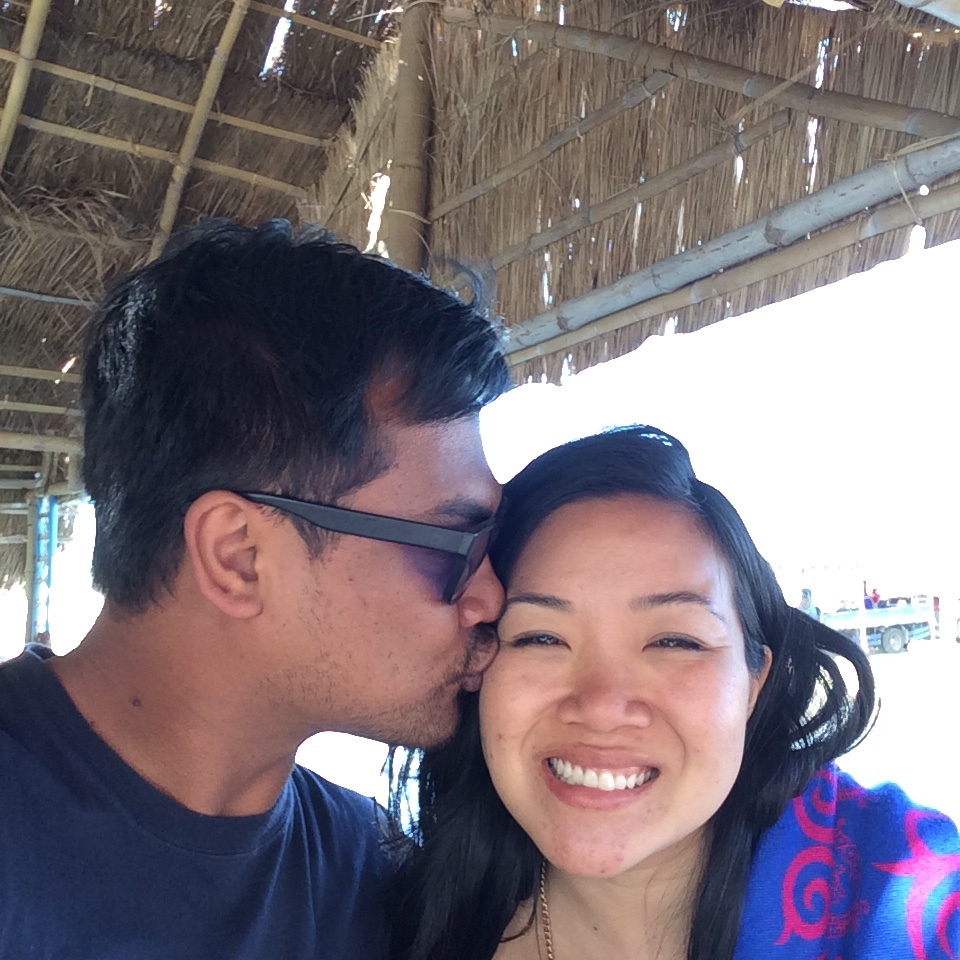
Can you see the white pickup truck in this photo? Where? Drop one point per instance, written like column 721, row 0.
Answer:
column 890, row 626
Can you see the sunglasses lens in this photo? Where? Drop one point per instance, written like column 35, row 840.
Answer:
column 468, row 566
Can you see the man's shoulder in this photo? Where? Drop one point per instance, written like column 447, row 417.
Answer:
column 340, row 812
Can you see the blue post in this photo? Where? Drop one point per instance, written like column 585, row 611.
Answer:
column 47, row 523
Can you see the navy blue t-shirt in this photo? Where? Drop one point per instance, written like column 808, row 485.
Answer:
column 97, row 864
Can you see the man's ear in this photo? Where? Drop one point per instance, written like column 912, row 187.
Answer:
column 220, row 533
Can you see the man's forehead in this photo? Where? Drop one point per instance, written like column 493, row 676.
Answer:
column 437, row 468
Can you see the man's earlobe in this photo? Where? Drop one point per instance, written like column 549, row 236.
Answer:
column 223, row 552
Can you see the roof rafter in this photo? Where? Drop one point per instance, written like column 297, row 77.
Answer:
column 39, row 442
column 687, row 66
column 17, row 91
column 780, row 228
column 873, row 224
column 201, row 113
column 315, row 24
column 155, row 153
column 181, row 106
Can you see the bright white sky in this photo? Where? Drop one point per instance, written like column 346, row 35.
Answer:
column 829, row 420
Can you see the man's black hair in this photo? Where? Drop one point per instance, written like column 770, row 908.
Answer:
column 242, row 359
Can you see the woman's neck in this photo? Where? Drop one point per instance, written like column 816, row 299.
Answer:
column 642, row 914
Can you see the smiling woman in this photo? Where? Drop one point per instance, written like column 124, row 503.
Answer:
column 647, row 769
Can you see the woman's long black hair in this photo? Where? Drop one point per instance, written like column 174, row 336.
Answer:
column 473, row 864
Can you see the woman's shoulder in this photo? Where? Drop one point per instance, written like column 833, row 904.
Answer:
column 861, row 871
column 834, row 808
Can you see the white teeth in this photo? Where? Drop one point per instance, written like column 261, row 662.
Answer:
column 604, row 780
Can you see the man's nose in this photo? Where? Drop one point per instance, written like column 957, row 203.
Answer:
column 483, row 599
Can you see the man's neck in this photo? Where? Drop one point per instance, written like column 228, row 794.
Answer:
column 161, row 690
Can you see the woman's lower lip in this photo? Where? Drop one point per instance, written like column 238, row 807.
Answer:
column 589, row 798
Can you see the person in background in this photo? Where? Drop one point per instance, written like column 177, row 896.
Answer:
column 293, row 511
column 647, row 771
column 807, row 605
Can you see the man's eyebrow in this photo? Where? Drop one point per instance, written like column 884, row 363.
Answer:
column 540, row 600
column 650, row 600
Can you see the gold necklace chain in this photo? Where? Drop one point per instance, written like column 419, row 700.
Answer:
column 545, row 912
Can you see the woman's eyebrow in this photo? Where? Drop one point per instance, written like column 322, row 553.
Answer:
column 540, row 600
column 650, row 600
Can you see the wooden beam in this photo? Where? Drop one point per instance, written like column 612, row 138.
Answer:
column 25, row 484
column 880, row 221
column 45, row 297
column 17, row 91
column 641, row 192
column 19, row 468
column 644, row 56
column 191, row 140
column 144, row 96
column 40, row 443
column 633, row 96
column 779, row 228
column 16, row 406
column 155, row 153
column 32, row 373
column 315, row 24
column 948, row 10
column 405, row 224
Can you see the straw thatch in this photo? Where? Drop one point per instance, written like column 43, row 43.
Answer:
column 107, row 107
column 498, row 100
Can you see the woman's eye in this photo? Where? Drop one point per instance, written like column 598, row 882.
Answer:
column 678, row 643
column 534, row 640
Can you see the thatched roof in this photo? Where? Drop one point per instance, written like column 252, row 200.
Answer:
column 668, row 173
column 553, row 125
column 107, row 107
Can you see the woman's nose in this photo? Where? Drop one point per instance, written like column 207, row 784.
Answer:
column 605, row 695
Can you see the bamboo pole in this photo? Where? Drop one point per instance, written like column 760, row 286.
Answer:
column 144, row 96
column 316, row 24
column 641, row 192
column 191, row 140
column 18, row 468
column 892, row 217
column 45, row 297
column 25, row 484
column 627, row 101
column 948, row 10
column 32, row 373
column 17, row 406
column 30, row 565
column 39, row 443
column 779, row 228
column 644, row 55
column 17, row 91
column 405, row 217
column 155, row 153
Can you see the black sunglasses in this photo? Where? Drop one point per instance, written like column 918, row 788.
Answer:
column 466, row 548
